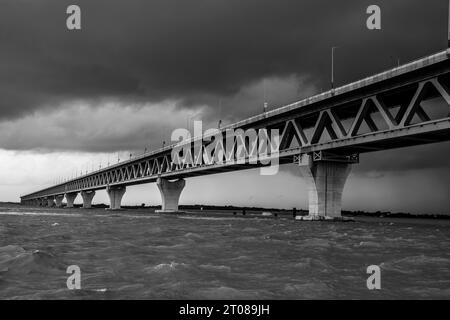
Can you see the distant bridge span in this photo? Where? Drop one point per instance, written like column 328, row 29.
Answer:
column 324, row 134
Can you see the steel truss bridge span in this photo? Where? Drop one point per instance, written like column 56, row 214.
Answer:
column 404, row 106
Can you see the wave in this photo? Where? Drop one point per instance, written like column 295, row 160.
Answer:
column 165, row 267
column 316, row 243
column 427, row 292
column 192, row 235
column 17, row 213
column 216, row 218
column 146, row 216
column 224, row 292
column 309, row 290
column 16, row 260
column 248, row 239
column 163, row 246
column 313, row 264
column 414, row 264
column 370, row 244
column 211, row 267
column 239, row 258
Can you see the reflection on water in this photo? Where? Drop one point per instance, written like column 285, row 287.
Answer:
column 136, row 254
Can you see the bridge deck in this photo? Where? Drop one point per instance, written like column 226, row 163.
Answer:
column 306, row 121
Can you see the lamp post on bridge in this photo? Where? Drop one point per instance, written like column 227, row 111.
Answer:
column 332, row 66
column 265, row 97
column 448, row 30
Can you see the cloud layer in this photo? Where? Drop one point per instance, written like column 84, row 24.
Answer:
column 197, row 51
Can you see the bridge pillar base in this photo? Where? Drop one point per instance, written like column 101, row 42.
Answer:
column 87, row 198
column 170, row 194
column 325, row 180
column 58, row 200
column 70, row 199
column 50, row 202
column 115, row 196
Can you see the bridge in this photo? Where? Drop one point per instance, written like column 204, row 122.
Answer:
column 323, row 135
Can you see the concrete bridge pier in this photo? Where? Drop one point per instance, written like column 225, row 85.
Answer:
column 115, row 196
column 325, row 180
column 170, row 194
column 70, row 198
column 50, row 201
column 58, row 200
column 87, row 198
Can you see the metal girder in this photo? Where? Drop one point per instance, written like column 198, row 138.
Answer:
column 301, row 133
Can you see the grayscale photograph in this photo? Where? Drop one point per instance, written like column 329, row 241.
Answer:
column 225, row 156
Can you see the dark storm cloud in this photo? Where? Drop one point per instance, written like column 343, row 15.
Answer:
column 197, row 50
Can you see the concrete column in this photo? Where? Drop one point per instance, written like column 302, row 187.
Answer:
column 115, row 196
column 325, row 180
column 58, row 199
column 50, row 201
column 87, row 198
column 170, row 193
column 70, row 198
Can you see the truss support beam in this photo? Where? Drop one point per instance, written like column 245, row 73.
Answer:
column 70, row 199
column 170, row 193
column 115, row 196
column 325, row 180
column 87, row 198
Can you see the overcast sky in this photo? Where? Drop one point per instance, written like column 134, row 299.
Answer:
column 70, row 100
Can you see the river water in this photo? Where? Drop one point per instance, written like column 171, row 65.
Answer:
column 137, row 254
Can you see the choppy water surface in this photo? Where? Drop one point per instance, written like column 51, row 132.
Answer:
column 138, row 254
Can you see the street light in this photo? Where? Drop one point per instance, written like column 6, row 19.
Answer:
column 448, row 33
column 265, row 96
column 332, row 66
